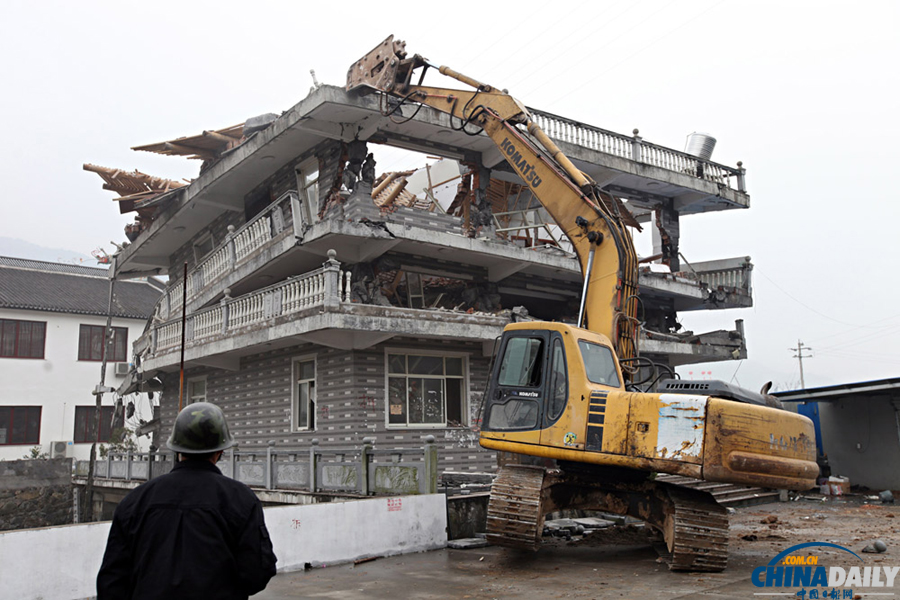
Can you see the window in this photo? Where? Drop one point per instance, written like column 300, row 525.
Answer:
column 308, row 191
column 522, row 362
column 599, row 363
column 303, row 396
column 196, row 390
column 203, row 246
column 425, row 390
column 90, row 343
column 20, row 425
column 22, row 339
column 559, row 384
column 86, row 420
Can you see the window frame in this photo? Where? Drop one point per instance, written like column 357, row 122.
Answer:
column 464, row 409
column 200, row 241
column 18, row 338
column 308, row 208
column 116, row 333
column 189, row 387
column 106, row 412
column 312, row 397
column 10, row 420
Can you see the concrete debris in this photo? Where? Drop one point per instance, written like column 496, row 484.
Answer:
column 886, row 497
column 254, row 124
column 876, row 547
column 593, row 523
column 467, row 543
column 769, row 519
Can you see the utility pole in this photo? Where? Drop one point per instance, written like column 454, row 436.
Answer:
column 800, row 356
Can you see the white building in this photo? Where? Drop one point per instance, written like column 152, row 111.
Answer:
column 52, row 320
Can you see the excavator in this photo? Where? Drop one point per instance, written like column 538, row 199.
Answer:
column 562, row 407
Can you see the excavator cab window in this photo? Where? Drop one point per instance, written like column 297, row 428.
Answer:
column 599, row 363
column 559, row 382
column 516, row 394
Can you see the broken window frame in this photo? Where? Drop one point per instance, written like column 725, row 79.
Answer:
column 308, row 191
column 408, row 380
column 303, row 404
column 191, row 394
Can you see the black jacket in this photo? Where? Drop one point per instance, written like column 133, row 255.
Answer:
column 192, row 533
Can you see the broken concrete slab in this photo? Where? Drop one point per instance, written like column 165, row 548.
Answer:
column 467, row 543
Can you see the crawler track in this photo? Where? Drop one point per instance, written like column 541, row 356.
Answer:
column 694, row 527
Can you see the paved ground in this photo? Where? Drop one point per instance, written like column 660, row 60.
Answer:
column 611, row 565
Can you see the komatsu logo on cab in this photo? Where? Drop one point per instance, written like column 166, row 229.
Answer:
column 516, row 158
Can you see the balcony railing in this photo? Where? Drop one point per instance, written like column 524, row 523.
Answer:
column 730, row 274
column 364, row 470
column 634, row 148
column 327, row 286
column 239, row 246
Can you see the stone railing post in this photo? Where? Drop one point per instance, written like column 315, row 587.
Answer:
column 636, row 150
column 313, row 464
column 128, row 465
column 232, row 254
column 225, row 303
column 741, row 181
column 232, row 454
column 332, row 272
column 270, row 452
column 368, row 443
column 431, row 466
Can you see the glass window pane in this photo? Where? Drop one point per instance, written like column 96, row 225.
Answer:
column 307, row 370
column 521, row 364
column 558, row 381
column 599, row 363
column 397, row 400
column 34, row 425
column 514, row 414
column 4, row 424
column 303, row 409
column 426, row 365
column 396, row 363
column 8, row 343
column 453, row 366
column 415, row 401
column 96, row 343
column 433, row 401
column 18, row 426
column 454, row 401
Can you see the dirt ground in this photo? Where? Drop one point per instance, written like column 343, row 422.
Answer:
column 618, row 562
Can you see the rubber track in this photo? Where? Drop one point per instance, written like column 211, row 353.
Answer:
column 514, row 517
column 701, row 533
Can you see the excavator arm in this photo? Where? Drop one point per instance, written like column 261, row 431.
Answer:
column 594, row 221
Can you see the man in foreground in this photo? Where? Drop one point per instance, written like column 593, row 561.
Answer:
column 192, row 533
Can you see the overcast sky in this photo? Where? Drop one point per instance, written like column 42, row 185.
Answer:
column 804, row 93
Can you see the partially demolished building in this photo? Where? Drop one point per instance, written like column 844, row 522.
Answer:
column 327, row 299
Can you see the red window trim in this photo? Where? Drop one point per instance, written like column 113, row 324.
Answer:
column 102, row 345
column 27, row 442
column 16, row 351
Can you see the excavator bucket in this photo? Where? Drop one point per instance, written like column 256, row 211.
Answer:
column 378, row 68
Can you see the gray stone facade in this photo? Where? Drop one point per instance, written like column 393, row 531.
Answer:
column 35, row 493
column 350, row 401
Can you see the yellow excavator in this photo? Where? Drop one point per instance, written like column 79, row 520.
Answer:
column 561, row 407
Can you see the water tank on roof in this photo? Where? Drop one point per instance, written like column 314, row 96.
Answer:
column 700, row 145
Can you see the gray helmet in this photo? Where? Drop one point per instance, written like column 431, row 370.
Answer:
column 200, row 428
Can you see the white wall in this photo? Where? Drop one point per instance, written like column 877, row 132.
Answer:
column 41, row 564
column 59, row 381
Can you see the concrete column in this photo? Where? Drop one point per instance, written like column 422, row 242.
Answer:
column 368, row 443
column 666, row 232
column 225, row 303
column 332, row 281
column 313, row 464
column 128, row 465
column 741, row 179
column 270, row 450
column 431, row 465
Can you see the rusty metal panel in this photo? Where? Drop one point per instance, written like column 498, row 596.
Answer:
column 682, row 421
